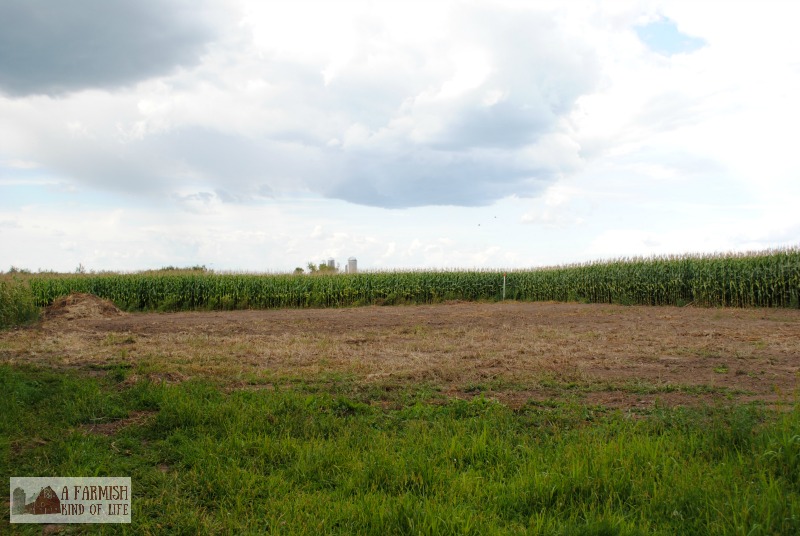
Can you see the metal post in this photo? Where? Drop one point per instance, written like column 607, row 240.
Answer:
column 504, row 285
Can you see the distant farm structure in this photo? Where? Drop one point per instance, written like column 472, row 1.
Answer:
column 329, row 266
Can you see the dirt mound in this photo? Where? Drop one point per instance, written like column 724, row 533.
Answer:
column 80, row 305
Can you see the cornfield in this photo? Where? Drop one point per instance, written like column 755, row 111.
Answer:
column 763, row 279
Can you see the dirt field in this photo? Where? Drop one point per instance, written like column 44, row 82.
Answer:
column 627, row 357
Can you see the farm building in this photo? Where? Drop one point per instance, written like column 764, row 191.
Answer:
column 46, row 503
column 18, row 501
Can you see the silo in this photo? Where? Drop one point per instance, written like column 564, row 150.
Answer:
column 331, row 264
column 351, row 265
column 18, row 501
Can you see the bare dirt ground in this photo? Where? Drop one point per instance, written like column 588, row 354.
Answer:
column 615, row 356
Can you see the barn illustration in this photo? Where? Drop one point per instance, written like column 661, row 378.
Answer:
column 46, row 503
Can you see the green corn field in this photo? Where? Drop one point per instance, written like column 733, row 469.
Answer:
column 762, row 279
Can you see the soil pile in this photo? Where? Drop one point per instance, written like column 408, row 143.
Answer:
column 80, row 305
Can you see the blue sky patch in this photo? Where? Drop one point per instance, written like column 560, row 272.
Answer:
column 663, row 37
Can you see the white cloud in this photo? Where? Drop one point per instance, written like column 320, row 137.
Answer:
column 477, row 99
column 280, row 133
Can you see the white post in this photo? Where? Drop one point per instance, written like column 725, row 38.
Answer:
column 504, row 286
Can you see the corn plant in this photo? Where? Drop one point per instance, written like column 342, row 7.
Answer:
column 762, row 279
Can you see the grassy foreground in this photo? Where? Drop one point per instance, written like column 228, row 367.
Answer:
column 305, row 459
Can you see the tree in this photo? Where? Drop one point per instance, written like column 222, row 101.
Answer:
column 321, row 269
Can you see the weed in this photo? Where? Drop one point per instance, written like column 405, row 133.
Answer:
column 17, row 305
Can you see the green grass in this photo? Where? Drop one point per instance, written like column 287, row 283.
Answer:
column 641, row 387
column 287, row 461
column 16, row 303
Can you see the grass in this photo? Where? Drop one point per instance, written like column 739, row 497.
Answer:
column 510, row 351
column 353, row 421
column 290, row 460
column 17, row 305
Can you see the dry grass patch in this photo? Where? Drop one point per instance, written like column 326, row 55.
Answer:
column 504, row 350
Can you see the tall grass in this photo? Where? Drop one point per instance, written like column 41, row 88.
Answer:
column 763, row 279
column 286, row 461
column 16, row 303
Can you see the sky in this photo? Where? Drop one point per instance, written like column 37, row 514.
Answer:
column 260, row 136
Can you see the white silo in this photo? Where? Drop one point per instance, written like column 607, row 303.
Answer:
column 352, row 267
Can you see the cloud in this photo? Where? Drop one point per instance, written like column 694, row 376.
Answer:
column 473, row 128
column 473, row 109
column 674, row 109
column 421, row 176
column 556, row 208
column 54, row 48
column 534, row 74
